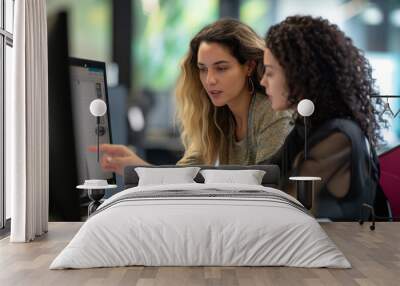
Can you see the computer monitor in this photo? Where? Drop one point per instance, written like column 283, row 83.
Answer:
column 88, row 82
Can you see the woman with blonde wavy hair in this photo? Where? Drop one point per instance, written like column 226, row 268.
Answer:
column 222, row 109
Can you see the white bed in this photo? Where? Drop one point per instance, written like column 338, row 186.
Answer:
column 223, row 225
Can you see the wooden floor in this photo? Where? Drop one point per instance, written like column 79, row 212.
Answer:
column 374, row 255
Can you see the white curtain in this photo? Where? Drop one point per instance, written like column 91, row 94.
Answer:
column 27, row 124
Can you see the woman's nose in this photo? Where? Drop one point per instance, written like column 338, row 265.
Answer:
column 263, row 82
column 211, row 78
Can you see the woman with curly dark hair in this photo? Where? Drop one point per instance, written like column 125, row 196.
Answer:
column 310, row 58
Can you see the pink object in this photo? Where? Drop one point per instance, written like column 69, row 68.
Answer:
column 390, row 178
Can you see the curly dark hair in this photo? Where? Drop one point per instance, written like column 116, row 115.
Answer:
column 321, row 64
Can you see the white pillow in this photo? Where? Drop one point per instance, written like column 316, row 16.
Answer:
column 248, row 177
column 163, row 176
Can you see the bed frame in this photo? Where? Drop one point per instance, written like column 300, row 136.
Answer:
column 270, row 179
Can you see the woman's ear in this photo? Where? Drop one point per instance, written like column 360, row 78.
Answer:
column 251, row 65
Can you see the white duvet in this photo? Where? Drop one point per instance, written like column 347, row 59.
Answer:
column 183, row 231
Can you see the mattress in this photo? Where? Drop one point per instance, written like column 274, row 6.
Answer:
column 201, row 225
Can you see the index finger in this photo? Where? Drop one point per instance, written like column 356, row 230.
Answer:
column 111, row 149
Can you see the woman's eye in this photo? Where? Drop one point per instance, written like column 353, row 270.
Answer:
column 222, row 68
column 202, row 70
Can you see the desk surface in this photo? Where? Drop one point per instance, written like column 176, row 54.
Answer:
column 374, row 255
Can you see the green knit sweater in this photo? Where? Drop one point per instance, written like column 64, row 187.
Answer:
column 266, row 132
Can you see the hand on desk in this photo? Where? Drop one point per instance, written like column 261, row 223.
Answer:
column 116, row 157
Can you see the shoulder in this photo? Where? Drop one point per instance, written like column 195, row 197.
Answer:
column 341, row 131
column 333, row 144
column 264, row 115
column 346, row 126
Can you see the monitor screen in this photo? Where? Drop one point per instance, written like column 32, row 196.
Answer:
column 88, row 82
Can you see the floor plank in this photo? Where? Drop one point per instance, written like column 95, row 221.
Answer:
column 374, row 255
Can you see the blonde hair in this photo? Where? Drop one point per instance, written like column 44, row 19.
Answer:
column 202, row 124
